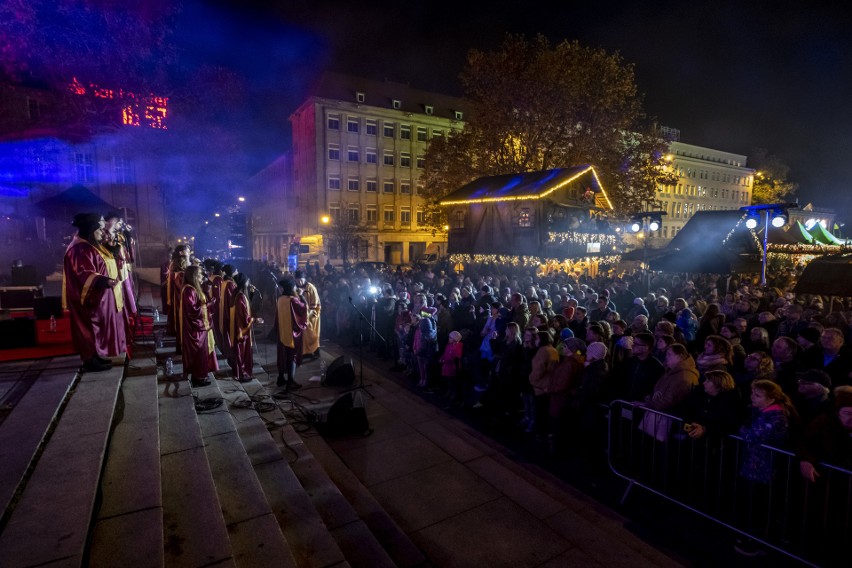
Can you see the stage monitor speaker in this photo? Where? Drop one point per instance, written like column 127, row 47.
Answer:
column 16, row 333
column 346, row 417
column 24, row 276
column 340, row 373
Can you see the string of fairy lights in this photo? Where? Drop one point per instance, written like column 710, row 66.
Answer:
column 574, row 238
column 529, row 261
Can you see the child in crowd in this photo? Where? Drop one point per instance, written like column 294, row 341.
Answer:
column 451, row 364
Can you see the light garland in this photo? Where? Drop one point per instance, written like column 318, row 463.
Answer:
column 581, row 238
column 519, row 261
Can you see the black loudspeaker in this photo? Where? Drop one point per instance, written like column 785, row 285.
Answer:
column 24, row 276
column 17, row 332
column 340, row 373
column 346, row 417
column 47, row 306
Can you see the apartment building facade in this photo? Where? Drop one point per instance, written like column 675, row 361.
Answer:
column 707, row 180
column 359, row 154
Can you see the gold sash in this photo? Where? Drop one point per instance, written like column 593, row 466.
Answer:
column 285, row 322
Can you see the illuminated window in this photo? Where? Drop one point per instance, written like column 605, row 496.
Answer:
column 85, row 167
column 429, row 109
column 421, row 134
column 524, row 218
column 388, row 159
column 353, row 154
column 354, row 214
column 352, row 125
column 360, row 97
column 372, row 214
column 405, row 186
column 333, row 152
column 458, row 114
column 405, row 160
column 371, row 128
column 421, row 162
column 405, row 215
column 388, row 186
column 388, row 214
column 123, row 169
column 334, row 122
column 397, row 104
column 389, row 130
column 354, row 184
column 458, row 219
column 372, row 185
column 405, row 131
column 371, row 155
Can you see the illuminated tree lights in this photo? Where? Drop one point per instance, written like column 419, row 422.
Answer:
column 137, row 110
column 573, row 238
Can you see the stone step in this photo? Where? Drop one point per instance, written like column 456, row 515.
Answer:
column 129, row 526
column 50, row 522
column 33, row 392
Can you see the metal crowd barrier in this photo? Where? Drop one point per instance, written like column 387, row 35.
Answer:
column 810, row 522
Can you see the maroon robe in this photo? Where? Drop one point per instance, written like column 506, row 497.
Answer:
column 242, row 358
column 215, row 305
column 291, row 319
column 97, row 324
column 165, row 274
column 197, row 352
column 226, row 299
column 175, row 284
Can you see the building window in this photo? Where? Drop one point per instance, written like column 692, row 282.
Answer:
column 429, row 109
column 421, row 217
column 352, row 125
column 389, row 130
column 524, row 218
column 334, row 122
column 123, row 168
column 388, row 215
column 353, row 154
column 458, row 219
column 405, row 131
column 334, row 183
column 333, row 152
column 458, row 114
column 85, row 167
column 388, row 186
column 354, row 214
column 372, row 186
column 418, row 189
column 405, row 186
column 421, row 162
column 405, row 160
column 33, row 108
column 371, row 155
column 334, row 212
column 396, row 103
column 372, row 214
column 437, row 133
column 421, row 134
column 371, row 127
column 360, row 97
column 388, row 159
column 354, row 184
column 405, row 215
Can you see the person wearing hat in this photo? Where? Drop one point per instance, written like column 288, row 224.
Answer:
column 813, row 388
column 425, row 343
column 828, row 438
column 311, row 338
column 93, row 296
column 290, row 322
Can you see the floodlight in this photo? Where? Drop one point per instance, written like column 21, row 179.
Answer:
column 635, row 227
column 654, row 225
column 779, row 219
column 752, row 221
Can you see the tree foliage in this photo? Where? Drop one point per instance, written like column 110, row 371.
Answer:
column 770, row 178
column 346, row 234
column 536, row 106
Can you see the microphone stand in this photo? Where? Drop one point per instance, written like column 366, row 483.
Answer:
column 361, row 320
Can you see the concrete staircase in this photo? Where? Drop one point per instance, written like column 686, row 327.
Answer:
column 131, row 468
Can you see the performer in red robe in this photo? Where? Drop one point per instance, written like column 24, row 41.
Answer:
column 225, row 303
column 242, row 358
column 93, row 296
column 214, row 303
column 291, row 319
column 174, row 283
column 118, row 243
column 197, row 353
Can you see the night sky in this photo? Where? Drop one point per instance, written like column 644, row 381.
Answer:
column 730, row 75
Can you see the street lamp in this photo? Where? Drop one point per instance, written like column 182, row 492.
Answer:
column 650, row 221
column 774, row 214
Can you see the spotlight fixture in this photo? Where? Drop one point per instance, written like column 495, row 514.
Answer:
column 655, row 224
column 779, row 219
column 635, row 227
column 752, row 221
